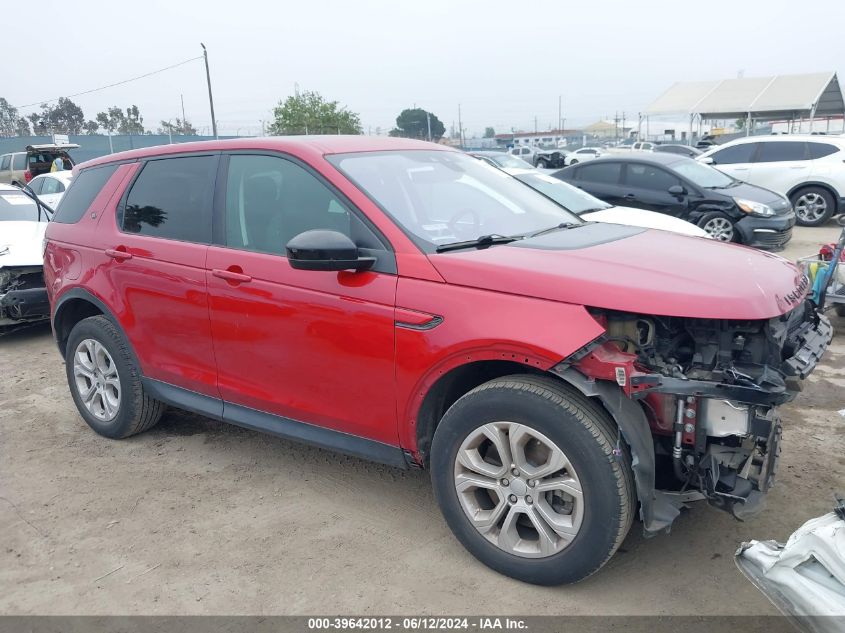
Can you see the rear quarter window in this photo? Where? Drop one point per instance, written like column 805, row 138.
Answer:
column 19, row 162
column 600, row 172
column 820, row 150
column 81, row 193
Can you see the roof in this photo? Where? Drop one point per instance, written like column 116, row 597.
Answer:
column 65, row 175
column 777, row 96
column 657, row 158
column 316, row 145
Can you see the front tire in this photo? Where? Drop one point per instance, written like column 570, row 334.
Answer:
column 541, row 164
column 719, row 227
column 105, row 381
column 574, row 161
column 525, row 474
column 813, row 206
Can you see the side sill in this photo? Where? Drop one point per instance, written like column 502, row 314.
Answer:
column 276, row 425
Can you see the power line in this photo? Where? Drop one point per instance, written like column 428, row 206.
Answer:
column 119, row 83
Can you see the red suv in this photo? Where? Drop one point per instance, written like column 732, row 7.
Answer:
column 407, row 303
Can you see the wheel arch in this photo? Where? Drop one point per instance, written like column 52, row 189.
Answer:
column 821, row 185
column 72, row 307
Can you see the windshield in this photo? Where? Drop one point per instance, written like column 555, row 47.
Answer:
column 702, row 175
column 564, row 194
column 507, row 160
column 442, row 197
column 17, row 207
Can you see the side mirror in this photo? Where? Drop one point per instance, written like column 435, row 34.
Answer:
column 677, row 190
column 325, row 250
column 707, row 160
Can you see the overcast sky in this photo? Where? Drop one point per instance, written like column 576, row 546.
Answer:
column 504, row 61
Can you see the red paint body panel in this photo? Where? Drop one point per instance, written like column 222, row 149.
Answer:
column 311, row 346
column 477, row 325
column 654, row 272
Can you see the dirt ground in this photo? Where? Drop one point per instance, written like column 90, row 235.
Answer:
column 198, row 517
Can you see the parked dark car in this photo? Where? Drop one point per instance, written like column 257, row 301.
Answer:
column 681, row 150
column 728, row 209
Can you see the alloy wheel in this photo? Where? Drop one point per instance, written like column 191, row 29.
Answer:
column 518, row 489
column 96, row 379
column 719, row 229
column 810, row 207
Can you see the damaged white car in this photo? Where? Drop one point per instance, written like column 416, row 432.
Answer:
column 805, row 578
column 23, row 297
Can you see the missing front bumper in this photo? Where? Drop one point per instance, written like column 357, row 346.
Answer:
column 30, row 304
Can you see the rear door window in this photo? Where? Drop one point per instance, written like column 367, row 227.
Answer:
column 81, row 193
column 820, row 150
column 51, row 185
column 735, row 154
column 780, row 151
column 171, row 199
column 601, row 172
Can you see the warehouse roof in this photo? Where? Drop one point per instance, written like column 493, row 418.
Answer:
column 779, row 96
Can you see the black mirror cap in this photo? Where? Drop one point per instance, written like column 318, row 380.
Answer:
column 677, row 190
column 325, row 250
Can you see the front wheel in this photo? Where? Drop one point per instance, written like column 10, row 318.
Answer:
column 541, row 164
column 719, row 227
column 574, row 161
column 525, row 474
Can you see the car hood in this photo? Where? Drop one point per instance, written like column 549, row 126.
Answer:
column 20, row 243
column 645, row 219
column 633, row 270
column 779, row 203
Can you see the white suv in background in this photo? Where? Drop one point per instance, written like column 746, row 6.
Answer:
column 809, row 170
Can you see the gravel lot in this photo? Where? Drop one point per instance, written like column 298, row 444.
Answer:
column 198, row 517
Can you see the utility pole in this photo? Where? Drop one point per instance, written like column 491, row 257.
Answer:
column 535, row 124
column 623, row 125
column 560, row 114
column 184, row 124
column 210, row 98
column 428, row 120
column 460, row 128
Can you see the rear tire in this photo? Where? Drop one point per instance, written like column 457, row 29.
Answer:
column 574, row 161
column 105, row 381
column 813, row 206
column 541, row 164
column 584, row 504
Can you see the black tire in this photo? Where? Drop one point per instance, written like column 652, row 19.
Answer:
column 840, row 310
column 541, row 164
column 574, row 161
column 824, row 194
column 136, row 411
column 578, row 427
column 715, row 216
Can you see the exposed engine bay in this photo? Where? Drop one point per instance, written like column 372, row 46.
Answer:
column 23, row 297
column 710, row 391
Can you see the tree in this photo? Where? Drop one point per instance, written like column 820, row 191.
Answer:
column 22, row 127
column 178, row 126
column 65, row 117
column 91, row 127
column 115, row 120
column 309, row 113
column 413, row 123
column 9, row 119
column 489, row 132
column 740, row 124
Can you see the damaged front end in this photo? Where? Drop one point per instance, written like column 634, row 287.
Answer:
column 708, row 390
column 23, row 297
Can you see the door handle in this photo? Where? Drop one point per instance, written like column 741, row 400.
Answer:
column 118, row 253
column 630, row 196
column 233, row 273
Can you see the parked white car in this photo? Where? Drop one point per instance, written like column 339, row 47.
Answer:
column 809, row 170
column 23, row 297
column 592, row 209
column 582, row 154
column 51, row 187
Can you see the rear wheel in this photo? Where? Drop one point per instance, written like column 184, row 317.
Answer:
column 719, row 227
column 813, row 206
column 525, row 474
column 574, row 161
column 541, row 164
column 105, row 382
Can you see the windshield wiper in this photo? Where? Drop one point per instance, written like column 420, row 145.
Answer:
column 483, row 241
column 557, row 227
column 29, row 193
